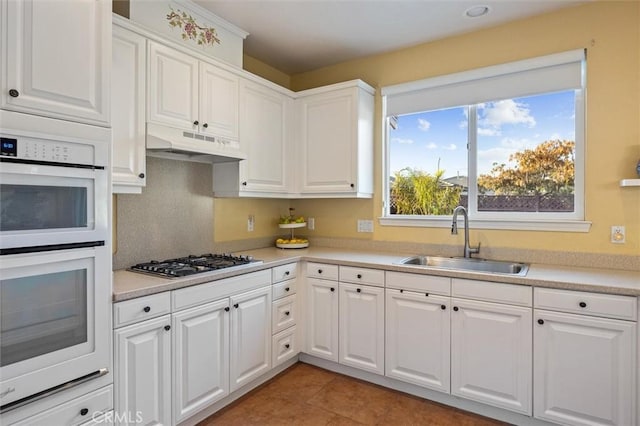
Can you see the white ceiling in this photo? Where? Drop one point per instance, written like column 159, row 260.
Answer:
column 301, row 35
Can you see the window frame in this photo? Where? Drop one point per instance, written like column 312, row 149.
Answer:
column 567, row 222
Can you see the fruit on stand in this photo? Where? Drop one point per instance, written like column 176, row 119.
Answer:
column 292, row 241
column 292, row 222
column 291, row 218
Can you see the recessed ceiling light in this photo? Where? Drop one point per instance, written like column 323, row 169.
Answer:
column 477, row 11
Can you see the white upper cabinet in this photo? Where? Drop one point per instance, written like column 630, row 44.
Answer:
column 56, row 59
column 218, row 112
column 173, row 87
column 192, row 95
column 265, row 119
column 335, row 138
column 128, row 111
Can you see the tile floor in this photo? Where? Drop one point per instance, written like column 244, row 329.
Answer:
column 307, row 395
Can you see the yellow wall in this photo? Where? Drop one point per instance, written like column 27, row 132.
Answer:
column 231, row 214
column 610, row 30
column 266, row 71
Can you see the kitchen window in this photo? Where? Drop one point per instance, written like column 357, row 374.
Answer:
column 505, row 141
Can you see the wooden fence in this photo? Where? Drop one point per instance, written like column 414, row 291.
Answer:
column 518, row 203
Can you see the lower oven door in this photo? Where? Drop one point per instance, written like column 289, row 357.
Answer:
column 54, row 319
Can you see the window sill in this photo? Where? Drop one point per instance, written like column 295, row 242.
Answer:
column 500, row 224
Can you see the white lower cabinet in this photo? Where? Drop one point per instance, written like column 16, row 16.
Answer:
column 584, row 369
column 284, row 346
column 200, row 358
column 418, row 334
column 322, row 318
column 143, row 372
column 361, row 319
column 491, row 354
column 250, row 336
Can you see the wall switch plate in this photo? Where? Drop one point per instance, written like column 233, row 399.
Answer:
column 251, row 220
column 617, row 234
column 311, row 223
column 365, row 225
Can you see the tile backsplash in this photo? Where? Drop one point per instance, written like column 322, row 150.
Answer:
column 172, row 217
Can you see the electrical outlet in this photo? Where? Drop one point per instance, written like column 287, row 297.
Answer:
column 311, row 223
column 250, row 222
column 617, row 234
column 365, row 225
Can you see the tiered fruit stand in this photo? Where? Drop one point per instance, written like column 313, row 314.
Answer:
column 292, row 242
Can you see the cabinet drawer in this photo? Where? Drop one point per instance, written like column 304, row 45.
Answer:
column 142, row 308
column 418, row 282
column 284, row 346
column 373, row 277
column 284, row 313
column 284, row 272
column 283, row 289
column 215, row 290
column 580, row 302
column 75, row 412
column 512, row 294
column 322, row 270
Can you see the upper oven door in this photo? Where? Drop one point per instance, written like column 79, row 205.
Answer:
column 43, row 205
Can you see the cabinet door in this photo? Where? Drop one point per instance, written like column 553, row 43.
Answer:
column 362, row 327
column 418, row 338
column 263, row 136
column 250, row 336
column 200, row 358
column 219, row 92
column 322, row 318
column 491, row 354
column 584, row 369
column 57, row 59
column 143, row 371
column 329, row 141
column 128, row 110
column 173, row 87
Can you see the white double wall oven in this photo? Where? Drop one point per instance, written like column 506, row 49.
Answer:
column 55, row 263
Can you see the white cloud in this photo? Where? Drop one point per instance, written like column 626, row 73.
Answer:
column 401, row 141
column 555, row 136
column 423, row 124
column 450, row 147
column 487, row 131
column 498, row 155
column 496, row 114
column 431, row 145
column 518, row 144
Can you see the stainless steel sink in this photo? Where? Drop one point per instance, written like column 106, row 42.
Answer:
column 468, row 264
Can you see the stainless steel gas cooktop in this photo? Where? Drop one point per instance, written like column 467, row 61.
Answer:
column 189, row 265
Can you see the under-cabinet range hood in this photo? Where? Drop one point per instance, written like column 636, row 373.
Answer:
column 178, row 144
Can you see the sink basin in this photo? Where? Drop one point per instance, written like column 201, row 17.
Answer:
column 466, row 264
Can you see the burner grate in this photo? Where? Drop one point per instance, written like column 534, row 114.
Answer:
column 192, row 264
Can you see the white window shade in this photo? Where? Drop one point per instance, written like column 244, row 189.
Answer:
column 546, row 74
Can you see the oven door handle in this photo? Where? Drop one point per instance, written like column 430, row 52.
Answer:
column 60, row 388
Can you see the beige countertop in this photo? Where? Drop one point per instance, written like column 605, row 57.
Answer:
column 129, row 285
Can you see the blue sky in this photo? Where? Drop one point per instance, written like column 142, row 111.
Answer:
column 504, row 127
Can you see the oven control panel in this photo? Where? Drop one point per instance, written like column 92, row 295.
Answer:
column 46, row 150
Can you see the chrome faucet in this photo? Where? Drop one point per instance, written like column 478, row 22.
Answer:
column 468, row 251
